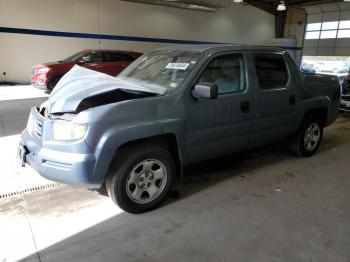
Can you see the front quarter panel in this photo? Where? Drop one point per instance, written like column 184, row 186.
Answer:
column 111, row 126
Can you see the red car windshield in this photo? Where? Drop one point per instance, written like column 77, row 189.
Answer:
column 73, row 57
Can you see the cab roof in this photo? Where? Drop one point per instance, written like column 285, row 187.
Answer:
column 222, row 47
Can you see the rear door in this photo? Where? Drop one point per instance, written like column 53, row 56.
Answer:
column 220, row 126
column 275, row 98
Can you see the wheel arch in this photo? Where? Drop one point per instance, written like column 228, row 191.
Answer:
column 320, row 112
column 168, row 140
column 106, row 154
column 53, row 78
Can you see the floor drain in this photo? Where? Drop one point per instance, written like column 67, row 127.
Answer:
column 29, row 190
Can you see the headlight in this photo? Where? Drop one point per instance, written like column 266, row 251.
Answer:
column 66, row 130
column 30, row 124
column 42, row 70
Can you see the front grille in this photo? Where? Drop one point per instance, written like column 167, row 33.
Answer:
column 37, row 127
column 344, row 107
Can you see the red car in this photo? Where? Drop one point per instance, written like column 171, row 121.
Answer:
column 111, row 62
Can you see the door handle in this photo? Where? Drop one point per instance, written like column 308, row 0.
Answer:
column 245, row 107
column 292, row 99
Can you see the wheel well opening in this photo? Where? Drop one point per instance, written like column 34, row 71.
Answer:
column 167, row 140
column 320, row 113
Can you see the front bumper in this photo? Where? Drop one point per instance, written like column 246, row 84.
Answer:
column 345, row 104
column 52, row 163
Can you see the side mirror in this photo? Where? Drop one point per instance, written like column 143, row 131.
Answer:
column 205, row 90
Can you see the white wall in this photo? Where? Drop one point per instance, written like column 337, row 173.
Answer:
column 18, row 52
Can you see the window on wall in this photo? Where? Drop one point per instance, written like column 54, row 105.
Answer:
column 328, row 30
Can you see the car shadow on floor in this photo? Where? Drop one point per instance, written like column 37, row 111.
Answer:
column 200, row 176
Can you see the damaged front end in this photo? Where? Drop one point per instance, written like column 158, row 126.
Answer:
column 61, row 135
column 79, row 90
column 54, row 147
column 82, row 88
column 62, row 126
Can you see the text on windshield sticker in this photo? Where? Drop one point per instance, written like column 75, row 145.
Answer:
column 177, row 66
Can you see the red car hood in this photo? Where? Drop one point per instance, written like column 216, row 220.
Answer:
column 52, row 65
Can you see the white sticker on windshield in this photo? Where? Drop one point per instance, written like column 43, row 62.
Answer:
column 178, row 66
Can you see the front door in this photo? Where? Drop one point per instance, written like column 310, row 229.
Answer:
column 93, row 61
column 216, row 127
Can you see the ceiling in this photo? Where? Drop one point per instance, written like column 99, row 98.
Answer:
column 212, row 5
column 270, row 5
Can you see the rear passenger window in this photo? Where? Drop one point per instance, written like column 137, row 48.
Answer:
column 227, row 72
column 271, row 70
column 128, row 57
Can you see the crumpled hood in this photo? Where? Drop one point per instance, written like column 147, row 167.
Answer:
column 81, row 83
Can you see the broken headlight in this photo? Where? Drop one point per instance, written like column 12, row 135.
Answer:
column 68, row 131
column 30, row 124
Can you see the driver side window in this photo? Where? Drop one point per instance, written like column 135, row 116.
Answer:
column 227, row 72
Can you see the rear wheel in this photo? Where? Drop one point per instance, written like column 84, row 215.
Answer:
column 141, row 177
column 308, row 138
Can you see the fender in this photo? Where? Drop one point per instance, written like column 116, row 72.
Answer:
column 115, row 137
column 312, row 104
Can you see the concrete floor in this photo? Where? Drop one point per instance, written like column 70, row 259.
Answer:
column 265, row 205
column 15, row 92
column 13, row 119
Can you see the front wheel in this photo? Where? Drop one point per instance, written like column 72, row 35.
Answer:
column 141, row 177
column 308, row 138
column 53, row 82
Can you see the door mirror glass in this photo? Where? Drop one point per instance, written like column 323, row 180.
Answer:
column 205, row 90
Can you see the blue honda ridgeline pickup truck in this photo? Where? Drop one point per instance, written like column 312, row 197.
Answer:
column 172, row 107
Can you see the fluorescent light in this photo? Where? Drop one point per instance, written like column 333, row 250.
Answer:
column 281, row 6
column 200, row 7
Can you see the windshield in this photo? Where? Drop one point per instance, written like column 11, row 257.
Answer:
column 163, row 70
column 72, row 57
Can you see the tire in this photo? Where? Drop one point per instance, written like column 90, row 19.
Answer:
column 138, row 170
column 53, row 82
column 308, row 139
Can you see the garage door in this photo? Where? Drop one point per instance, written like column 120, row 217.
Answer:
column 328, row 30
